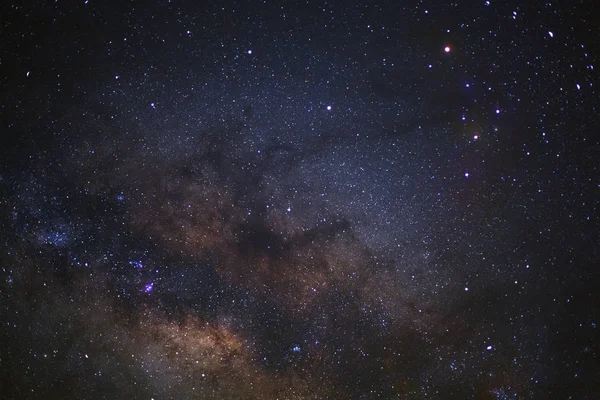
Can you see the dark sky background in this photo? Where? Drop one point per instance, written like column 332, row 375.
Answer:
column 299, row 200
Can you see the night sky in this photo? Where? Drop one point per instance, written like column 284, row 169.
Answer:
column 299, row 200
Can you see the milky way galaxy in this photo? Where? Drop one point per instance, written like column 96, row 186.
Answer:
column 305, row 200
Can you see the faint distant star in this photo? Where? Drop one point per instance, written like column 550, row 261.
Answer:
column 328, row 108
column 249, row 51
column 466, row 174
column 497, row 111
column 475, row 137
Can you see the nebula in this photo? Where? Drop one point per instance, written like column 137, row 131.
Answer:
column 298, row 201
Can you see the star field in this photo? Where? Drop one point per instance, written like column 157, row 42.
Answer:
column 299, row 200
